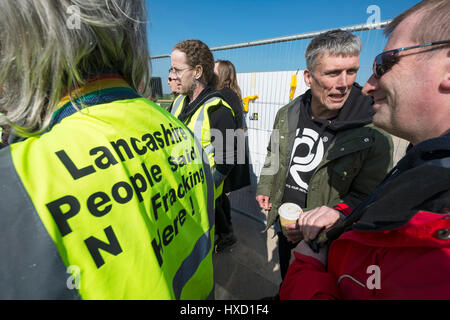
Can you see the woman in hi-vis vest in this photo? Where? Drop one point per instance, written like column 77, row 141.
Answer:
column 104, row 195
column 204, row 110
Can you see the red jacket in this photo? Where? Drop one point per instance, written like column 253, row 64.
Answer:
column 409, row 262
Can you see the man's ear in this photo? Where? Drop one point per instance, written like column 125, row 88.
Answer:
column 198, row 72
column 445, row 83
column 307, row 77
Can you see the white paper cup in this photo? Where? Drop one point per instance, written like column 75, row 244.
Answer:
column 289, row 213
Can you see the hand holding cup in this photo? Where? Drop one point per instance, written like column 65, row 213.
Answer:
column 289, row 213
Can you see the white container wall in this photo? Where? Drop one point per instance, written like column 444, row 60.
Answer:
column 273, row 90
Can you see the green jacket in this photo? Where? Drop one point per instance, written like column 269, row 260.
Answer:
column 353, row 165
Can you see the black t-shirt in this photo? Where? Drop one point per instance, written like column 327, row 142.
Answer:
column 310, row 144
column 314, row 136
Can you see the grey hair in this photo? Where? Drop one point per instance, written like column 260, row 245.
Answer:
column 335, row 42
column 43, row 57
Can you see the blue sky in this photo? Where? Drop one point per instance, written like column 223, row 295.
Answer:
column 225, row 22
column 230, row 21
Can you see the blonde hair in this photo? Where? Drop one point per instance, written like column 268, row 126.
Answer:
column 227, row 77
column 43, row 56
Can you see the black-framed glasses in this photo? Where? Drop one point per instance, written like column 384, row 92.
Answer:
column 386, row 60
column 178, row 72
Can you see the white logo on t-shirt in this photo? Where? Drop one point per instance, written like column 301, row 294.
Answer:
column 311, row 160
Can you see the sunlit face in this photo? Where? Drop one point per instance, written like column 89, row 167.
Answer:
column 405, row 96
column 331, row 82
column 173, row 85
column 183, row 74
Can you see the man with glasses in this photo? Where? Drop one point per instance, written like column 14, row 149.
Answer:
column 205, row 112
column 396, row 244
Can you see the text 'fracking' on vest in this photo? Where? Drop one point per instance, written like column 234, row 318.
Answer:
column 101, row 202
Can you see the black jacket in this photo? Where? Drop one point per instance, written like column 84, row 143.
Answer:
column 239, row 176
column 419, row 181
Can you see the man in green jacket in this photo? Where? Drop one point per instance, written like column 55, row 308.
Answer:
column 324, row 155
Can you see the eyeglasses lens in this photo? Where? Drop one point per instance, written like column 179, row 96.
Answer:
column 383, row 62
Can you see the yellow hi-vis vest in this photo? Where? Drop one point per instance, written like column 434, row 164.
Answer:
column 199, row 123
column 123, row 192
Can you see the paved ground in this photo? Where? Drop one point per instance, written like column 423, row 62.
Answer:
column 250, row 270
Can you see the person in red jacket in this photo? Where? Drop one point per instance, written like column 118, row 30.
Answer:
column 396, row 243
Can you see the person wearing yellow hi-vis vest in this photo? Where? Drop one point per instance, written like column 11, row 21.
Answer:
column 199, row 123
column 107, row 195
column 202, row 108
column 204, row 111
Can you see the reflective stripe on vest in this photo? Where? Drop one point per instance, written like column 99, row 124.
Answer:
column 199, row 123
column 127, row 203
column 202, row 247
column 197, row 129
column 179, row 101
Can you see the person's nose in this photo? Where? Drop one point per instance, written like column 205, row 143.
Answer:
column 370, row 86
column 342, row 81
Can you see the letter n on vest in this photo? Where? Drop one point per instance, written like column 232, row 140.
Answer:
column 94, row 245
